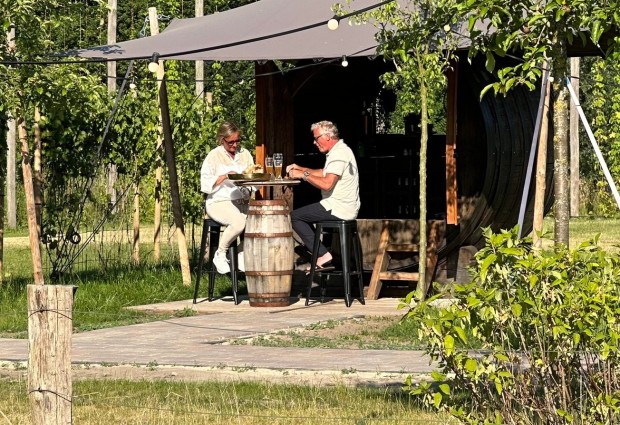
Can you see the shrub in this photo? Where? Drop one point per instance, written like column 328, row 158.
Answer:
column 547, row 324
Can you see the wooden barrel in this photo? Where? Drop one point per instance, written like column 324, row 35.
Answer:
column 268, row 253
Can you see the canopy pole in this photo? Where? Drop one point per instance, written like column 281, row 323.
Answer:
column 597, row 151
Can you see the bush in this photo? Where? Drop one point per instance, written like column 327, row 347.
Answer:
column 547, row 324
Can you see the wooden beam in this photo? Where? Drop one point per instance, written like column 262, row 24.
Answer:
column 451, row 132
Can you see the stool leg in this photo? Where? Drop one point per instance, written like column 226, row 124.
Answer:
column 214, row 240
column 315, row 256
column 201, row 259
column 357, row 249
column 345, row 253
column 233, row 270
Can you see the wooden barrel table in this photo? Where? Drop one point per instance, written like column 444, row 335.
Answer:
column 268, row 253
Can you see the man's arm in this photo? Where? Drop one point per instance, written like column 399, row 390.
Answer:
column 314, row 177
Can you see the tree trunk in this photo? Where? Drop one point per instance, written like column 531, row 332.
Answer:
column 560, row 145
column 136, row 224
column 35, row 249
column 574, row 141
column 422, row 287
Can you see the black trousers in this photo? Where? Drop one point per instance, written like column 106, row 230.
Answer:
column 302, row 220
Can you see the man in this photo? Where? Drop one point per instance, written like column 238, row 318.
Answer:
column 339, row 184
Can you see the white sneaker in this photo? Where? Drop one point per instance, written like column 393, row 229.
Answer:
column 240, row 262
column 221, row 262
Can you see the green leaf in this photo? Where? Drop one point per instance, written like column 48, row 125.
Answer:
column 449, row 344
column 437, row 397
column 445, row 388
column 490, row 62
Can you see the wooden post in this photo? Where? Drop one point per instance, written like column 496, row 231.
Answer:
column 112, row 172
column 38, row 170
column 574, row 141
column 451, row 183
column 174, row 185
column 50, row 327
column 541, row 168
column 154, row 27
column 10, row 158
column 200, row 66
column 136, row 224
column 35, row 249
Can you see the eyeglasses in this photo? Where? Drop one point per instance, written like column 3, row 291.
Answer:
column 232, row 142
column 319, row 136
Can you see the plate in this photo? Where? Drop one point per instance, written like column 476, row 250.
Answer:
column 254, row 177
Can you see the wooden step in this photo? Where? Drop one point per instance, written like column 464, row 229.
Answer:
column 380, row 272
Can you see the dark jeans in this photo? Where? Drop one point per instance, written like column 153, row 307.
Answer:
column 302, row 219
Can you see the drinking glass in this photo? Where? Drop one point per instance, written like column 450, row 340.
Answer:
column 277, row 165
column 269, row 167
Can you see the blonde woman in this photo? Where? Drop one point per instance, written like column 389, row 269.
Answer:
column 226, row 203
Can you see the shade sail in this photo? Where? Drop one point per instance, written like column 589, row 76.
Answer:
column 264, row 30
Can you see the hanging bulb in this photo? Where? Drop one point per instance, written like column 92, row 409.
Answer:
column 344, row 62
column 132, row 86
column 333, row 23
column 154, row 64
column 447, row 28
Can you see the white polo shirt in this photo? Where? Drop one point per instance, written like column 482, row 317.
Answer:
column 344, row 199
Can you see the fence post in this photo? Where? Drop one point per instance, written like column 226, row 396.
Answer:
column 50, row 326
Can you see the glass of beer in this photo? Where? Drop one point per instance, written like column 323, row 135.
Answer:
column 277, row 165
column 269, row 167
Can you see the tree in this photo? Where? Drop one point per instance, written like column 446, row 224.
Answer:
column 415, row 40
column 539, row 31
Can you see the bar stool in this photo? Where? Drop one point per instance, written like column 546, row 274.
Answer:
column 349, row 239
column 212, row 228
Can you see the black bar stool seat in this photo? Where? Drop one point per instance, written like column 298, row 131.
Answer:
column 349, row 244
column 212, row 229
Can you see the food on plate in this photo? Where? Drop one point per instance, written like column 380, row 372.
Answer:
column 253, row 169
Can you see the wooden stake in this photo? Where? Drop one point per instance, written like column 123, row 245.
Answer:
column 50, row 327
column 574, row 141
column 38, row 170
column 541, row 169
column 35, row 249
column 154, row 27
column 174, row 185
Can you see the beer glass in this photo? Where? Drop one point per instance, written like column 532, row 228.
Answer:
column 269, row 167
column 277, row 165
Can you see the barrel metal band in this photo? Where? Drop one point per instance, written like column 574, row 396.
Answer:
column 269, row 273
column 269, row 235
column 268, row 212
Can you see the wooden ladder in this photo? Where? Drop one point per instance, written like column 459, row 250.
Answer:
column 382, row 261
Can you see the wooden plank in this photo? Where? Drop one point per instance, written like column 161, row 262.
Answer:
column 409, row 276
column 403, row 248
column 381, row 263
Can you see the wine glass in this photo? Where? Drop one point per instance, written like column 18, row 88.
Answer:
column 277, row 165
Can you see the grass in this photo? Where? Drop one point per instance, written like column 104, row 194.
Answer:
column 583, row 229
column 125, row 402
column 101, row 297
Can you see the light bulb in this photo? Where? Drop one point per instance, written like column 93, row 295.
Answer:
column 332, row 24
column 154, row 65
column 132, row 86
column 344, row 62
column 446, row 28
column 551, row 79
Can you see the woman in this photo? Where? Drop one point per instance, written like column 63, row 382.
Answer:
column 226, row 203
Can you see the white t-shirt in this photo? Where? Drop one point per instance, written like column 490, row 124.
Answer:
column 217, row 163
column 343, row 200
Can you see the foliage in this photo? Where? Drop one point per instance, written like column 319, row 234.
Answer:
column 548, row 325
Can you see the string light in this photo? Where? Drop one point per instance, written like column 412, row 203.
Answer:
column 154, row 64
column 344, row 62
column 333, row 23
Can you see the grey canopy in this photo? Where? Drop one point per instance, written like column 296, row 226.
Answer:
column 264, row 30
